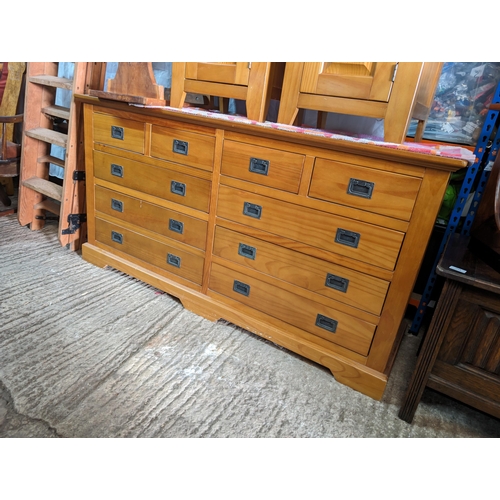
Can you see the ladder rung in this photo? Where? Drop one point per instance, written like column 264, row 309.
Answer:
column 52, row 159
column 45, row 187
column 52, row 81
column 49, row 205
column 59, row 111
column 47, row 135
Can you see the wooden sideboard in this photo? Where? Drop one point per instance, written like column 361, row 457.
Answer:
column 311, row 242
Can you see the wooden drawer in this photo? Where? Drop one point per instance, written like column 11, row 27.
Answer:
column 169, row 258
column 170, row 223
column 161, row 182
column 333, row 281
column 119, row 132
column 180, row 146
column 325, row 322
column 268, row 167
column 378, row 191
column 358, row 240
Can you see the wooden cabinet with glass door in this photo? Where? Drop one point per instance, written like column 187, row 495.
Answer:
column 393, row 91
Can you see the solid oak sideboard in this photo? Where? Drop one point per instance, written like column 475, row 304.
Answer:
column 311, row 242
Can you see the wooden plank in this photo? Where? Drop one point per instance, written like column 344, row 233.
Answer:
column 59, row 111
column 44, row 187
column 52, row 159
column 49, row 205
column 52, row 81
column 47, row 135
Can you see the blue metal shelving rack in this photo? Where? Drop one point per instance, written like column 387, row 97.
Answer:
column 484, row 159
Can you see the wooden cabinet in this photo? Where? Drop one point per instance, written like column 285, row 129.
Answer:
column 310, row 242
column 460, row 355
column 393, row 91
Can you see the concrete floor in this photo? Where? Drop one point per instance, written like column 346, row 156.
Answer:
column 90, row 352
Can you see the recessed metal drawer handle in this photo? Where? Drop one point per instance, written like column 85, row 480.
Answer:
column 337, row 283
column 180, row 147
column 241, row 288
column 176, row 226
column 358, row 187
column 326, row 323
column 116, row 237
column 252, row 210
column 117, row 205
column 173, row 260
column 349, row 238
column 178, row 188
column 258, row 166
column 247, row 251
column 117, row 133
column 116, row 170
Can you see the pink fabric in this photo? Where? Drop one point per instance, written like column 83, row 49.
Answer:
column 423, row 148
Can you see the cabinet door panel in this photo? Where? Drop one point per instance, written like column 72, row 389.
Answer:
column 372, row 81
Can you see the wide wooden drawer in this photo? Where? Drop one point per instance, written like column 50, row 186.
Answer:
column 333, row 281
column 378, row 191
column 358, row 240
column 180, row 146
column 119, row 132
column 322, row 321
column 268, row 167
column 170, row 223
column 161, row 182
column 169, row 258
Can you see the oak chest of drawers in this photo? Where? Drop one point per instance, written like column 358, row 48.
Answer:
column 310, row 242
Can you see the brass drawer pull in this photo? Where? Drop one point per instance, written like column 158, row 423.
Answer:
column 349, row 238
column 326, row 323
column 117, row 133
column 176, row 226
column 241, row 288
column 173, row 260
column 252, row 210
column 178, row 188
column 180, row 147
column 361, row 188
column 116, row 205
column 247, row 251
column 258, row 166
column 116, row 170
column 337, row 283
column 116, row 237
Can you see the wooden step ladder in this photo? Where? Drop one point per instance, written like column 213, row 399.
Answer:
column 38, row 196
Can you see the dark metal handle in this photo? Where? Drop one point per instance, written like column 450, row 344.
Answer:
column 180, row 147
column 116, row 170
column 178, row 188
column 176, row 226
column 241, row 288
column 252, row 210
column 173, row 260
column 258, row 166
column 117, row 205
column 247, row 251
column 337, row 283
column 117, row 132
column 116, row 237
column 326, row 323
column 358, row 187
column 349, row 238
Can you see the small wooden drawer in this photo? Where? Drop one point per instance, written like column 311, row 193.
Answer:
column 180, row 146
column 169, row 258
column 170, row 223
column 119, row 132
column 377, row 191
column 161, row 182
column 265, row 166
column 333, row 281
column 322, row 321
column 358, row 240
